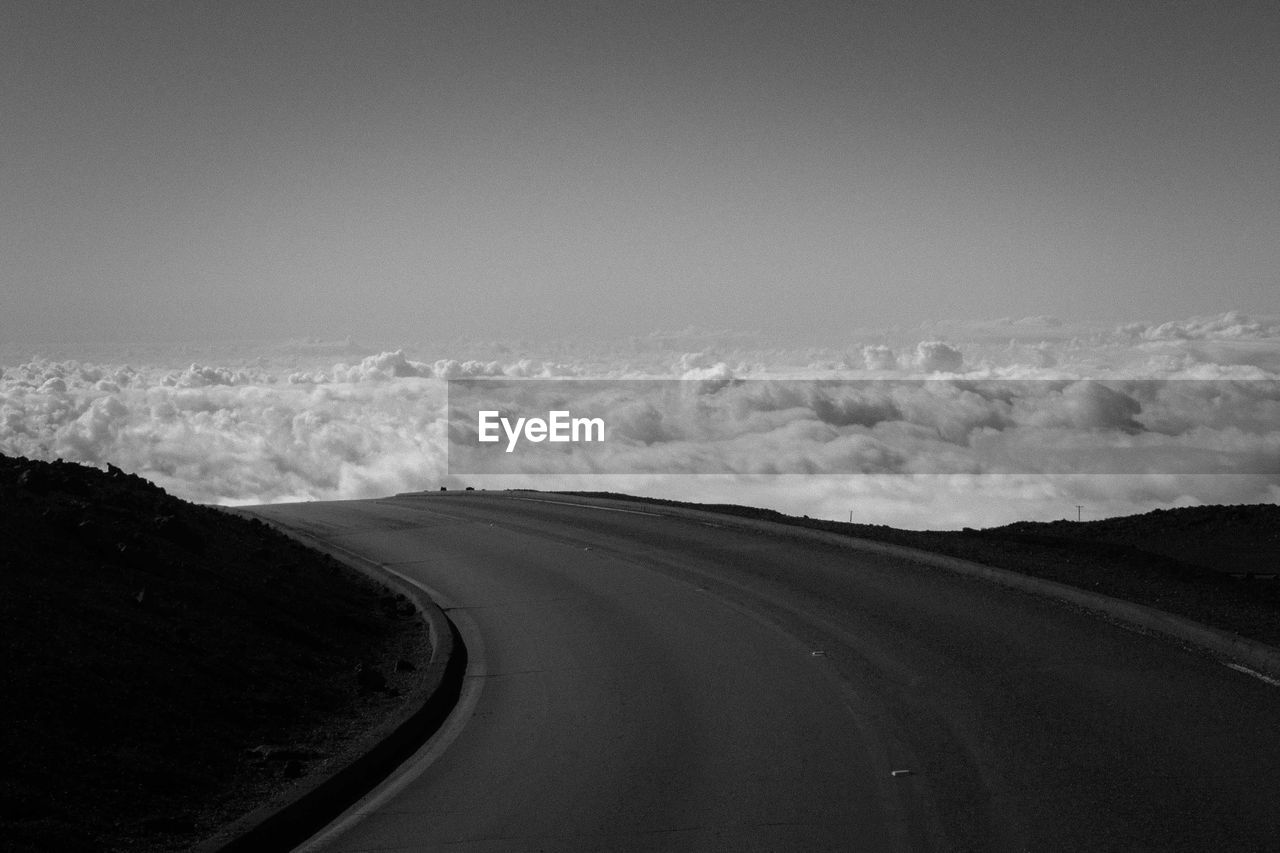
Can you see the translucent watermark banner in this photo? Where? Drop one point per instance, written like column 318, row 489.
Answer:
column 881, row 426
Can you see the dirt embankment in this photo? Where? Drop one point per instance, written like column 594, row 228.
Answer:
column 167, row 667
column 1216, row 565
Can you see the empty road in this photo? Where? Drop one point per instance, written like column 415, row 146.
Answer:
column 645, row 682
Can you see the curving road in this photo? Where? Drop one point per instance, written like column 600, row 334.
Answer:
column 642, row 681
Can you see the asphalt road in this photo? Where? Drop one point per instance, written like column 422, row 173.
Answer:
column 641, row 682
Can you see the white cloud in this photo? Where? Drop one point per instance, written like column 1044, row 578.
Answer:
column 1232, row 325
column 381, row 367
column 879, row 357
column 454, row 369
column 200, row 376
column 938, row 357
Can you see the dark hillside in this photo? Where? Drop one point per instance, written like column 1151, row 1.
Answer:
column 166, row 666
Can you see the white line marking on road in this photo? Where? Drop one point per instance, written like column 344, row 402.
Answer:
column 1238, row 668
column 417, row 764
column 590, row 506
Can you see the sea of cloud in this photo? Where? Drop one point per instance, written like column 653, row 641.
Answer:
column 1020, row 418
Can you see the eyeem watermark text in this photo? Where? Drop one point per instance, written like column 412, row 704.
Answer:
column 559, row 426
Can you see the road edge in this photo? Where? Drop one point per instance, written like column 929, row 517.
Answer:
column 1262, row 659
column 315, row 803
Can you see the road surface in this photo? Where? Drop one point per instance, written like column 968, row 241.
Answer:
column 643, row 682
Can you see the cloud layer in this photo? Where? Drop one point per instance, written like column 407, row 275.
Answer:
column 1019, row 418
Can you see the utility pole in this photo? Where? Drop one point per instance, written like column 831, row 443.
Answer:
column 1079, row 509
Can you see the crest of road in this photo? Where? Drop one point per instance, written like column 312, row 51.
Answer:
column 642, row 678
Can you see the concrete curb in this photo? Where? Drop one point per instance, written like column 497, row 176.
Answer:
column 1260, row 657
column 319, row 801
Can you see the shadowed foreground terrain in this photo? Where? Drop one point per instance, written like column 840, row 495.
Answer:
column 167, row 667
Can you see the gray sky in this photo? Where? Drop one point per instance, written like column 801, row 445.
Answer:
column 177, row 170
